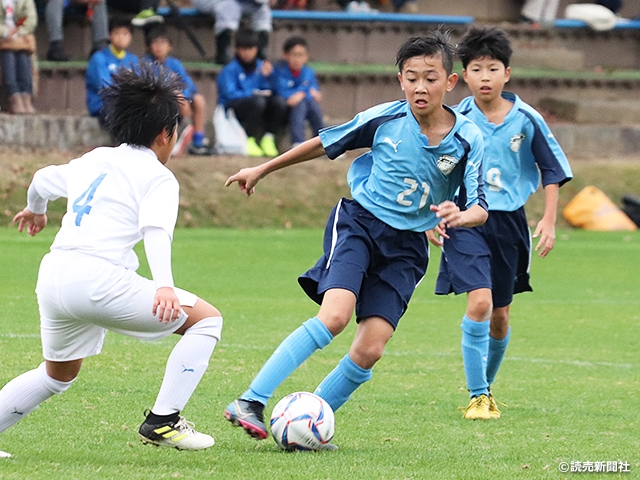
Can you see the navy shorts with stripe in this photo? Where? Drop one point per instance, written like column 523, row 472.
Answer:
column 496, row 255
column 381, row 265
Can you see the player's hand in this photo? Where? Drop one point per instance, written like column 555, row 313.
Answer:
column 247, row 179
column 449, row 213
column 546, row 230
column 436, row 235
column 34, row 223
column 166, row 305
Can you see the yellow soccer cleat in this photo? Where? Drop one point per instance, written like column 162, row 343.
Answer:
column 268, row 145
column 494, row 411
column 253, row 149
column 478, row 408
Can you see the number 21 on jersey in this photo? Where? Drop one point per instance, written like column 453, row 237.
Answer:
column 413, row 186
column 84, row 208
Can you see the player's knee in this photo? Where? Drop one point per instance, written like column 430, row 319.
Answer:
column 479, row 307
column 56, row 385
column 210, row 326
column 335, row 322
column 367, row 354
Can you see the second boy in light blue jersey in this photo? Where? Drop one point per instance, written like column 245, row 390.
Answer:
column 491, row 262
column 375, row 249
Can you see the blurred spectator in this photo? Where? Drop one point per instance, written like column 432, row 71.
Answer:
column 546, row 11
column 246, row 86
column 227, row 14
column 405, row 6
column 193, row 106
column 145, row 10
column 107, row 61
column 54, row 15
column 18, row 20
column 296, row 82
column 353, row 6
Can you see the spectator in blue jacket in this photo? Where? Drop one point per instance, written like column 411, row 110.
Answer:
column 107, row 61
column 193, row 106
column 296, row 82
column 246, row 85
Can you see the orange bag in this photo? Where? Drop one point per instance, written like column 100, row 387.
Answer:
column 591, row 209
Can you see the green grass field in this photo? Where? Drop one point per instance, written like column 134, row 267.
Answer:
column 570, row 378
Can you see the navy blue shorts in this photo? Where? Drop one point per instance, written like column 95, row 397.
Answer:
column 496, row 255
column 381, row 265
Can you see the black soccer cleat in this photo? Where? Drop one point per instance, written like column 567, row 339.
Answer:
column 249, row 415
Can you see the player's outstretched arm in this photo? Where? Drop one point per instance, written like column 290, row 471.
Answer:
column 546, row 228
column 451, row 216
column 33, row 222
column 248, row 178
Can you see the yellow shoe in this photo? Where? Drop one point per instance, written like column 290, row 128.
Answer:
column 478, row 408
column 253, row 150
column 494, row 411
column 268, row 145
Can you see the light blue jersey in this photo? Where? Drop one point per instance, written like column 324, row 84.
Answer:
column 402, row 175
column 518, row 154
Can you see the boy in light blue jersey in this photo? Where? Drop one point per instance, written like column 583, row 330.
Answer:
column 491, row 262
column 375, row 249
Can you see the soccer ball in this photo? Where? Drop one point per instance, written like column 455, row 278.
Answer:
column 302, row 421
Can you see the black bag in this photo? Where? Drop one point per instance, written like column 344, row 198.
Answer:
column 631, row 206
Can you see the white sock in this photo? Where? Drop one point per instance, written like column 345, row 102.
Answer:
column 186, row 365
column 23, row 394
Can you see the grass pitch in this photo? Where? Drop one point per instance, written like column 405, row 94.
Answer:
column 570, row 377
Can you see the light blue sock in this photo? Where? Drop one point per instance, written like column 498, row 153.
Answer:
column 338, row 386
column 475, row 346
column 496, row 354
column 291, row 353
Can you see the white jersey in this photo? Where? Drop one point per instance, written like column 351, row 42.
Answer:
column 113, row 194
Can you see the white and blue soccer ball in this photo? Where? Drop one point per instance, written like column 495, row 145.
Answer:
column 302, row 421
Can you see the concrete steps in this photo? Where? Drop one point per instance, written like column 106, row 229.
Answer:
column 350, row 89
column 370, row 38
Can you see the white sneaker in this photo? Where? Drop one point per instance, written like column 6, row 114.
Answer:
column 4, row 454
column 180, row 435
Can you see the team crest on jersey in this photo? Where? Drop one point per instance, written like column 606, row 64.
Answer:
column 516, row 141
column 446, row 164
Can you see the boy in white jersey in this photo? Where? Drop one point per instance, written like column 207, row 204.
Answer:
column 491, row 262
column 375, row 249
column 87, row 284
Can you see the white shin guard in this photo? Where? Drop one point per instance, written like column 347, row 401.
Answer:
column 186, row 365
column 23, row 394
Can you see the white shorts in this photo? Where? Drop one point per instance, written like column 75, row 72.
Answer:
column 81, row 297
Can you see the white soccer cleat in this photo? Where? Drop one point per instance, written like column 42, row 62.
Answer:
column 180, row 435
column 4, row 454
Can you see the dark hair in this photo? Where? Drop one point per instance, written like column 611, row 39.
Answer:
column 139, row 103
column 481, row 42
column 292, row 42
column 119, row 23
column 156, row 33
column 246, row 38
column 430, row 45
